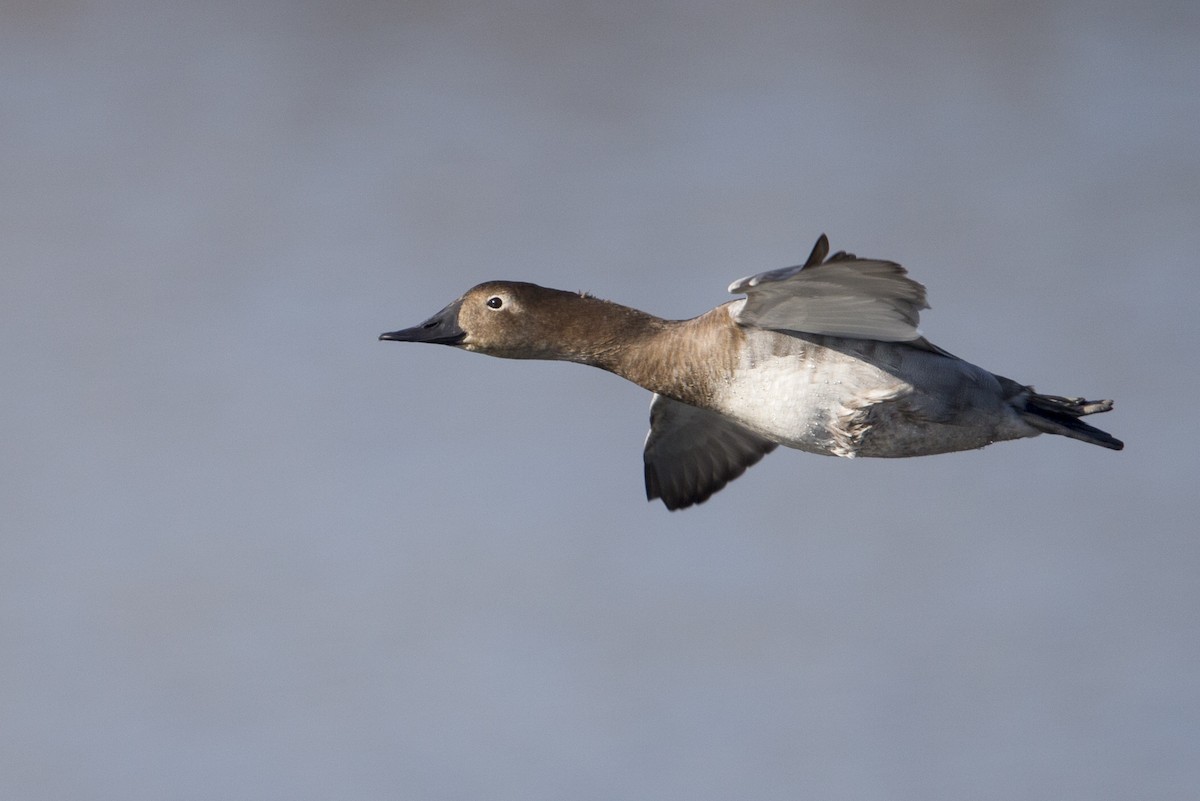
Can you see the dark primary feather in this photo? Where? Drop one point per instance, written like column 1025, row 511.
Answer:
column 691, row 453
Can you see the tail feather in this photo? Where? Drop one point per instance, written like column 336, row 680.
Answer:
column 1058, row 415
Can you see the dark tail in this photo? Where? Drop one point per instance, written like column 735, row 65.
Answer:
column 1056, row 415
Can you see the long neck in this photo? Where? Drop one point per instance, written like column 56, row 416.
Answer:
column 682, row 359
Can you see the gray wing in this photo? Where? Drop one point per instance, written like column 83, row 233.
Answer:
column 842, row 296
column 691, row 453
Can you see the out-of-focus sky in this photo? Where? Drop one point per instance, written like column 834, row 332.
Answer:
column 249, row 551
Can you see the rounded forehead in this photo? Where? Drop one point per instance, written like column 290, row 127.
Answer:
column 504, row 287
column 525, row 294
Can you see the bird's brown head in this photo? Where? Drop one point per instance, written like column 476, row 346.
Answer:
column 515, row 320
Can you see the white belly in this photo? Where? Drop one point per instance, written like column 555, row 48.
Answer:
column 859, row 398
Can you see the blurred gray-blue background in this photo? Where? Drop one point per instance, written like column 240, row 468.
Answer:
column 250, row 552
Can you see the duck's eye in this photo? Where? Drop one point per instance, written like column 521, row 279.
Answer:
column 494, row 302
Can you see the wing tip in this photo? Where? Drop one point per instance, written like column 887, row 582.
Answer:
column 817, row 256
column 691, row 490
column 819, row 252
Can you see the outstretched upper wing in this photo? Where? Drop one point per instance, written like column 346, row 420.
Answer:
column 691, row 452
column 842, row 296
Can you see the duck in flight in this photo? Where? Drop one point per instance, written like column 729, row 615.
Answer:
column 825, row 358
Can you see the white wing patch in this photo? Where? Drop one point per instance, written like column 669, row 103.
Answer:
column 691, row 453
column 843, row 296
